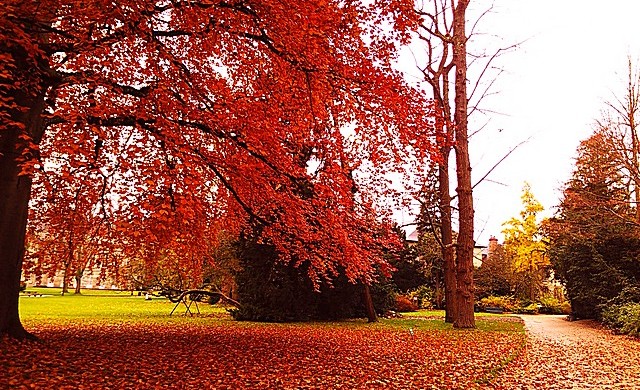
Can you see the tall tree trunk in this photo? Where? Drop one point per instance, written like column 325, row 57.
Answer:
column 25, row 86
column 65, row 274
column 368, row 304
column 14, row 201
column 632, row 107
column 464, row 253
column 448, row 254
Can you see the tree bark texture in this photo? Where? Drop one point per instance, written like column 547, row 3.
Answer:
column 25, row 117
column 464, row 253
column 78, row 278
column 368, row 304
column 14, row 202
column 448, row 254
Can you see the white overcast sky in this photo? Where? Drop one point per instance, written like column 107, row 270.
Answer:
column 554, row 87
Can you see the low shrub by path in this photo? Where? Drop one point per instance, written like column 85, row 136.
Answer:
column 224, row 354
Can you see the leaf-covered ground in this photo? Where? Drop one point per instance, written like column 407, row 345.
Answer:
column 572, row 355
column 112, row 340
column 221, row 354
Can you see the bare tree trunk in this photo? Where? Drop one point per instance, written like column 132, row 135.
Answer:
column 368, row 304
column 437, row 73
column 68, row 263
column 65, row 278
column 464, row 253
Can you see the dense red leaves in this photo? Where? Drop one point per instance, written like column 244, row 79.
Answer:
column 239, row 355
column 221, row 115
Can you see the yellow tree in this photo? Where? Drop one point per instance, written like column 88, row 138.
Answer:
column 524, row 244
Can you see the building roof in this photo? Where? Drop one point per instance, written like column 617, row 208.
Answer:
column 413, row 237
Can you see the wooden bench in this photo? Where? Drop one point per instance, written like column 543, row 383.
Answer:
column 494, row 310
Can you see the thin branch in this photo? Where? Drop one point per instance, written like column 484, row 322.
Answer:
column 500, row 162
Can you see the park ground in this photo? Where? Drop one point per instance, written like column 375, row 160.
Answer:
column 118, row 341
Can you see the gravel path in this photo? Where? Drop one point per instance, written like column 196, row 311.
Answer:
column 572, row 355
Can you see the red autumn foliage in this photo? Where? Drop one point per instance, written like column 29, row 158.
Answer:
column 212, row 114
column 181, row 119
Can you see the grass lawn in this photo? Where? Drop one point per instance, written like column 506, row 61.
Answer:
column 115, row 340
column 102, row 306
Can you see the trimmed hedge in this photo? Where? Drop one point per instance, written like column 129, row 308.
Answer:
column 546, row 305
column 551, row 305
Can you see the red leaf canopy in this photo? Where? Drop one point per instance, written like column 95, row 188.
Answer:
column 187, row 118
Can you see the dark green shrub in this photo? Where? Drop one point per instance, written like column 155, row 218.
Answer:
column 495, row 276
column 623, row 318
column 269, row 290
column 629, row 294
column 596, row 273
column 409, row 269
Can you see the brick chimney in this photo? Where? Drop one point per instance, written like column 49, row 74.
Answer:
column 493, row 246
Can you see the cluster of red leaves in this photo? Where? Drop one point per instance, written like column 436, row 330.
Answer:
column 235, row 355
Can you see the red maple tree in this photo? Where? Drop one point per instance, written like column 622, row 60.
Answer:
column 179, row 115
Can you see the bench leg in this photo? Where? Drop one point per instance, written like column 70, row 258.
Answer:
column 188, row 308
column 175, row 307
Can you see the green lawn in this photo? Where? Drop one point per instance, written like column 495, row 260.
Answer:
column 103, row 306
column 114, row 305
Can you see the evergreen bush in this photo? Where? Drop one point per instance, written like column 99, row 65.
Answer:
column 271, row 291
column 624, row 318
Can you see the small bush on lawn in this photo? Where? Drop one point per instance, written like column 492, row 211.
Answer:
column 623, row 318
column 403, row 303
column 552, row 305
column 529, row 309
column 505, row 303
column 423, row 296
